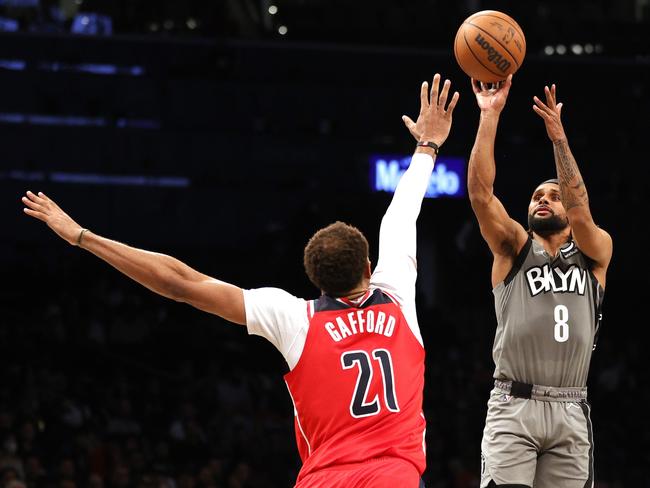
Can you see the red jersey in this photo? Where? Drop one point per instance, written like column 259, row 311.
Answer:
column 357, row 368
column 357, row 388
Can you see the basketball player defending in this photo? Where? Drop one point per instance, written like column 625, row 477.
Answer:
column 355, row 354
column 548, row 285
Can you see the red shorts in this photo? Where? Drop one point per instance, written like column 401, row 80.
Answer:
column 379, row 473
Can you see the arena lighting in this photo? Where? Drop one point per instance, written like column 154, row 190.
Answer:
column 77, row 121
column 13, row 64
column 447, row 179
column 575, row 48
column 273, row 9
column 8, row 25
column 283, row 30
column 20, row 3
column 55, row 66
column 92, row 24
column 97, row 179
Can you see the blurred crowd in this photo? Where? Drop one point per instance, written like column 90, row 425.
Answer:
column 105, row 385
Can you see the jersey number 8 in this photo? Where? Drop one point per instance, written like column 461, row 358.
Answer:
column 561, row 316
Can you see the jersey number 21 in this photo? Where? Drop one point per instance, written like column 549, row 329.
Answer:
column 359, row 405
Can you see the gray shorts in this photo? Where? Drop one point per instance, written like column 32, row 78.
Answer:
column 541, row 443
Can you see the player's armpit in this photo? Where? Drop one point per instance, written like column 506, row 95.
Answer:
column 214, row 296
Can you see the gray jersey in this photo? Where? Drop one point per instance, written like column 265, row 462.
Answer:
column 548, row 314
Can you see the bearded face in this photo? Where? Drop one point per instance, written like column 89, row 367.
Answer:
column 545, row 226
column 546, row 214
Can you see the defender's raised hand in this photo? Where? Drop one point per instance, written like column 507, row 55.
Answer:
column 42, row 208
column 434, row 120
column 550, row 112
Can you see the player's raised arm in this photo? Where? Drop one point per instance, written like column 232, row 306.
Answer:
column 592, row 240
column 397, row 235
column 160, row 273
column 431, row 131
column 504, row 235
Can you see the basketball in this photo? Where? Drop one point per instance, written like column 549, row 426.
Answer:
column 489, row 46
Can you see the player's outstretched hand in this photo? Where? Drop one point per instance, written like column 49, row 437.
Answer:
column 492, row 100
column 42, row 208
column 434, row 120
column 551, row 112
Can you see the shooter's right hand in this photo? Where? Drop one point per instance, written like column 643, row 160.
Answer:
column 492, row 101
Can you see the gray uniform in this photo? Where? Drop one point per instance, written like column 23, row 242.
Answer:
column 548, row 316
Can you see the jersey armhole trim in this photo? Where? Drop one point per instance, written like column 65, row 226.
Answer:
column 519, row 261
column 297, row 417
column 395, row 301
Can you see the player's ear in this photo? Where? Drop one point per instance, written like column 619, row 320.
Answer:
column 368, row 272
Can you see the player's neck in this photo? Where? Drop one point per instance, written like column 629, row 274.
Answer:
column 553, row 242
column 358, row 291
column 356, row 294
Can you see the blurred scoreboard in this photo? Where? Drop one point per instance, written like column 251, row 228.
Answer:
column 447, row 179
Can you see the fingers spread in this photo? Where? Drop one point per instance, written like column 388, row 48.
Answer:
column 424, row 96
column 442, row 101
column 550, row 100
column 505, row 85
column 33, row 213
column 453, row 102
column 541, row 112
column 434, row 89
column 408, row 122
column 32, row 196
column 476, row 88
column 541, row 104
column 32, row 203
column 39, row 199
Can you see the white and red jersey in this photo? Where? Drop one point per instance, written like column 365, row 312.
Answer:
column 357, row 367
column 357, row 388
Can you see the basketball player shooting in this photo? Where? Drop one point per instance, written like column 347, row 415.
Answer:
column 548, row 284
column 355, row 354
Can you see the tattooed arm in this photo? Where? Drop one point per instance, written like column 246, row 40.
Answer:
column 591, row 239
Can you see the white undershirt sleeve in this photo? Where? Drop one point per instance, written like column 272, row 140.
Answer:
column 396, row 269
column 279, row 317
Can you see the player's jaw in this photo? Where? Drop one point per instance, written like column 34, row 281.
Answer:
column 546, row 222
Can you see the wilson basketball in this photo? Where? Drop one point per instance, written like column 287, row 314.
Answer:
column 489, row 46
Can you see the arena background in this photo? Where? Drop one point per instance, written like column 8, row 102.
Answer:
column 206, row 131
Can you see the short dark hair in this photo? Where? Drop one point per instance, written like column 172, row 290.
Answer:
column 550, row 180
column 336, row 257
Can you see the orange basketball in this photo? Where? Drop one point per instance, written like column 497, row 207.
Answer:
column 489, row 46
